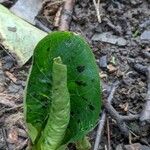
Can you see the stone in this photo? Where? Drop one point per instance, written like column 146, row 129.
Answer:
column 13, row 88
column 145, row 35
column 8, row 62
column 108, row 37
column 27, row 10
column 103, row 62
column 136, row 2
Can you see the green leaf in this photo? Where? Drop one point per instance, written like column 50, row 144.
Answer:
column 82, row 82
column 59, row 112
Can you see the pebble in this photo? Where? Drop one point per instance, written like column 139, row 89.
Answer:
column 145, row 24
column 145, row 35
column 108, row 37
column 103, row 62
column 13, row 88
column 136, row 2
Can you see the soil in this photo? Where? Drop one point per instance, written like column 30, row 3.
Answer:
column 124, row 19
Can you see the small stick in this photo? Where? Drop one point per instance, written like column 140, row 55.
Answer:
column 106, row 147
column 57, row 17
column 120, row 122
column 97, row 7
column 100, row 130
column 66, row 16
column 130, row 138
column 130, row 117
column 108, row 134
column 103, row 118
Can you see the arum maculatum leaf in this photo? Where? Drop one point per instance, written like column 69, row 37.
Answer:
column 82, row 82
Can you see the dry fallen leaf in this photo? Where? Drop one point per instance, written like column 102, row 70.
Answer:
column 112, row 68
column 18, row 36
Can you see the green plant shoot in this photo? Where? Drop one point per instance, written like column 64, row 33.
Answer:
column 63, row 61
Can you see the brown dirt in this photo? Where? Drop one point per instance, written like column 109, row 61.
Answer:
column 121, row 18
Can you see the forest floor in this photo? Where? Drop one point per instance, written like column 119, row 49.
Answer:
column 119, row 41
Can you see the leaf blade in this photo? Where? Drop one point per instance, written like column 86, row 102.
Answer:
column 83, row 83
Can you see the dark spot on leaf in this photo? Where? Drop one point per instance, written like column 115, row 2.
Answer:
column 77, row 112
column 72, row 113
column 45, row 103
column 48, row 49
column 80, row 69
column 78, row 121
column 84, row 98
column 49, row 84
column 91, row 107
column 72, row 57
column 80, row 83
column 86, row 128
column 92, row 80
column 12, row 29
column 29, row 110
column 34, row 94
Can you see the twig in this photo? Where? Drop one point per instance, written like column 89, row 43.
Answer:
column 121, row 120
column 57, row 17
column 108, row 134
column 130, row 117
column 130, row 138
column 97, row 8
column 106, row 147
column 114, row 114
column 66, row 16
column 100, row 130
column 103, row 118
